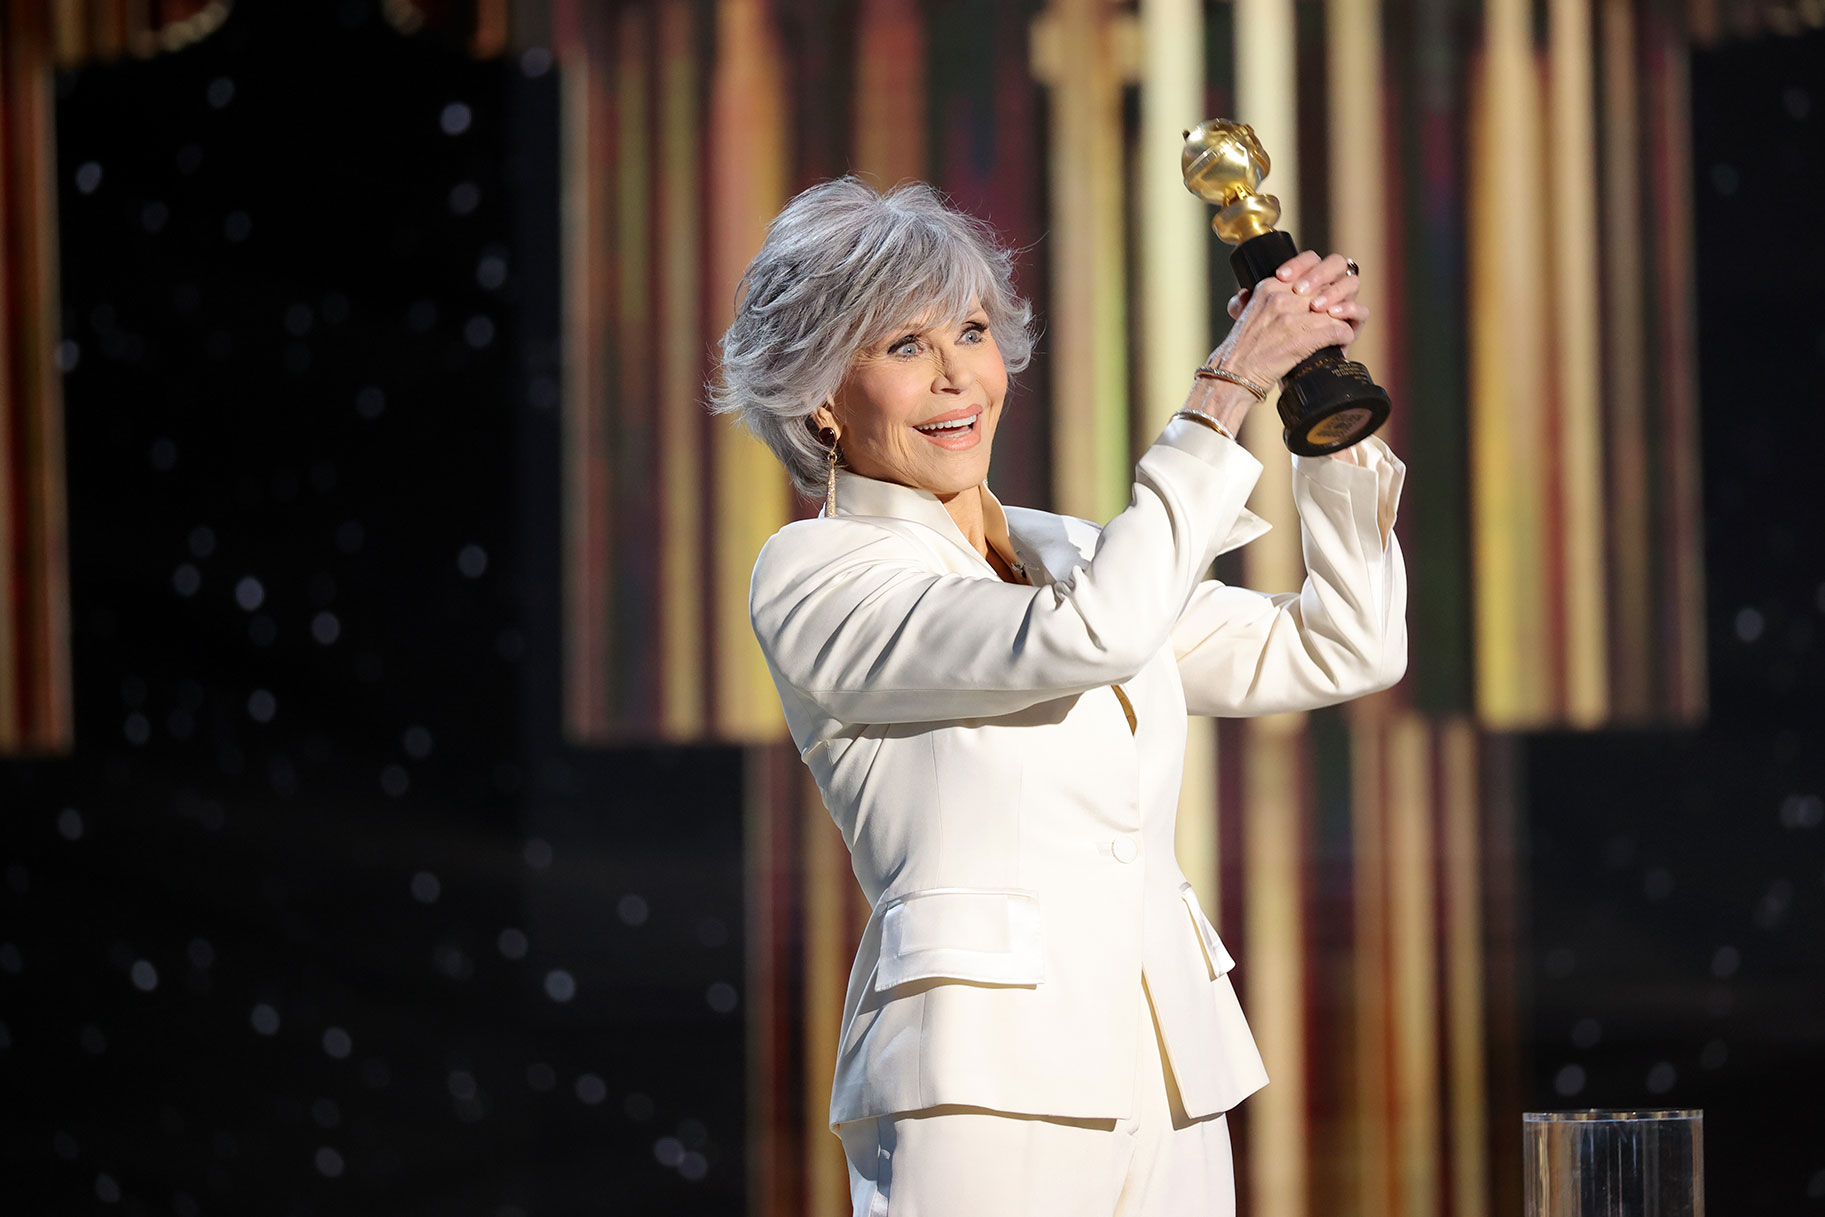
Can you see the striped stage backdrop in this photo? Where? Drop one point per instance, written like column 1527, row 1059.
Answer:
column 1525, row 239
column 1516, row 189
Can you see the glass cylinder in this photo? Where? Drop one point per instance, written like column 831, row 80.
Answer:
column 1642, row 1162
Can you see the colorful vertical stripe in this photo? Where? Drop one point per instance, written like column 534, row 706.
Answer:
column 36, row 38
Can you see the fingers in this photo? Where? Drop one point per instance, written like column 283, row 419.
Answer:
column 1353, row 314
column 1298, row 268
column 1339, row 291
column 1323, row 273
column 1237, row 303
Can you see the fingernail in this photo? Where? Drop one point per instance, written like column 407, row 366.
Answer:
column 1284, row 273
column 1301, row 286
column 1337, row 310
column 1318, row 302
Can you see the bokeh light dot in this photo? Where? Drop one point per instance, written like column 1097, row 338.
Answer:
column 425, row 887
column 265, row 1019
column 721, row 996
column 144, row 975
column 1569, row 1081
column 472, row 561
column 337, row 1043
column 560, row 986
column 591, row 1089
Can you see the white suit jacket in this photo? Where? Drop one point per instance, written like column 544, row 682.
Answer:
column 1014, row 837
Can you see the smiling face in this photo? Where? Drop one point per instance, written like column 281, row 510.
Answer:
column 919, row 407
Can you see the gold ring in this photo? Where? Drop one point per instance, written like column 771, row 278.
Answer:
column 1349, row 265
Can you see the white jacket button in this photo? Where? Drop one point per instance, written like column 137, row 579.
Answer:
column 1124, row 849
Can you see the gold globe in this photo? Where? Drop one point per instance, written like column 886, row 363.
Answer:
column 1223, row 164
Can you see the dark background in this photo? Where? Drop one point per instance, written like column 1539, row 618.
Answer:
column 1676, row 882
column 327, row 815
column 324, row 916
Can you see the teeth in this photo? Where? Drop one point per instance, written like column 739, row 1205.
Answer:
column 954, row 425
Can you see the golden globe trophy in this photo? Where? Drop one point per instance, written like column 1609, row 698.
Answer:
column 1327, row 401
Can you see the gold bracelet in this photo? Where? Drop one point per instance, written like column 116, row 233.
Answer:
column 1209, row 420
column 1209, row 373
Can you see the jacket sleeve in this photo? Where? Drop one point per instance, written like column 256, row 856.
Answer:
column 851, row 616
column 1343, row 634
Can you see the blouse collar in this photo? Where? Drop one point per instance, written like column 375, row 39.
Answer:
column 865, row 496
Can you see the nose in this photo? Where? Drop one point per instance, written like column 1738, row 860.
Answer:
column 954, row 373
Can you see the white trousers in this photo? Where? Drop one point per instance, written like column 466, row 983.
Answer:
column 956, row 1161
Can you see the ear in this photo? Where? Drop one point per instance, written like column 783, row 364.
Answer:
column 823, row 419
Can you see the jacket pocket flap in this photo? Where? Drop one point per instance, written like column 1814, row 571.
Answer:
column 990, row 935
column 1214, row 954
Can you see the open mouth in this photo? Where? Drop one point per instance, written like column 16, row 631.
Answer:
column 961, row 432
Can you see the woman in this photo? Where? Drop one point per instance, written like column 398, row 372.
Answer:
column 1039, row 1018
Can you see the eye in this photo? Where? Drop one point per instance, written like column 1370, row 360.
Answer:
column 974, row 332
column 901, row 344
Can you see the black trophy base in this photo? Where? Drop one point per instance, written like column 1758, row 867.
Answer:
column 1328, row 401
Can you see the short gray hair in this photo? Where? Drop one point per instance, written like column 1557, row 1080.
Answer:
column 842, row 266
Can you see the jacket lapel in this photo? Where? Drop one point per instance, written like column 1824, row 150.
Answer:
column 1041, row 539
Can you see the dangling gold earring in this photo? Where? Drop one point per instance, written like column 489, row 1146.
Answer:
column 830, row 484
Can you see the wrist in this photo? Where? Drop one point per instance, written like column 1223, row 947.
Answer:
column 1241, row 363
column 1226, row 402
